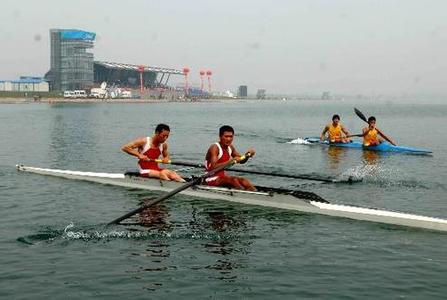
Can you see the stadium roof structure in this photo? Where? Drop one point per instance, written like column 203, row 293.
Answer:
column 114, row 65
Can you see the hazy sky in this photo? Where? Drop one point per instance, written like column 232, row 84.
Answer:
column 352, row 46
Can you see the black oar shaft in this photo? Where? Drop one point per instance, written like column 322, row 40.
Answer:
column 155, row 201
column 358, row 135
column 306, row 177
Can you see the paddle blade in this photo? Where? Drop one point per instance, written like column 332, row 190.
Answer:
column 360, row 114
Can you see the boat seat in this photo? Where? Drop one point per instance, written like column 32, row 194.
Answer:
column 135, row 173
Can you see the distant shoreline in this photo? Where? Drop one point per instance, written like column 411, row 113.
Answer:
column 18, row 100
column 11, row 100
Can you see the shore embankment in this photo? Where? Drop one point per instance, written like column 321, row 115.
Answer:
column 12, row 100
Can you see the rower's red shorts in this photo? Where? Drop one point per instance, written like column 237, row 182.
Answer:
column 212, row 181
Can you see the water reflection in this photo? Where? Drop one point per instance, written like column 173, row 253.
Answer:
column 220, row 221
column 370, row 157
column 216, row 234
column 157, row 251
column 225, row 269
column 336, row 156
column 72, row 134
column 155, row 216
column 229, row 229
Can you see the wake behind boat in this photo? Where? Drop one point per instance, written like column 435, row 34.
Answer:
column 296, row 200
column 382, row 147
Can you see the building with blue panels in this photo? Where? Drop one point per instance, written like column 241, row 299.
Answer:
column 71, row 62
column 73, row 66
column 24, row 84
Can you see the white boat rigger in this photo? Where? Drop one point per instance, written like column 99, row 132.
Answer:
column 270, row 197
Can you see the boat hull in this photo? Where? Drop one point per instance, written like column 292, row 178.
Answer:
column 276, row 198
column 383, row 147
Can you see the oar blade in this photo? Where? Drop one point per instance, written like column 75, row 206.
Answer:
column 360, row 114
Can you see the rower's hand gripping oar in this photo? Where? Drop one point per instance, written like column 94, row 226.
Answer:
column 194, row 181
column 362, row 116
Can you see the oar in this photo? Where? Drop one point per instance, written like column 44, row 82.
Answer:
column 359, row 135
column 194, row 181
column 362, row 116
column 348, row 136
column 306, row 177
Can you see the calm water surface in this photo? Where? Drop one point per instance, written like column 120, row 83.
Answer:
column 53, row 243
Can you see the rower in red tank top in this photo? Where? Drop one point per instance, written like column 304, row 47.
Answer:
column 152, row 153
column 223, row 156
column 148, row 150
column 219, row 154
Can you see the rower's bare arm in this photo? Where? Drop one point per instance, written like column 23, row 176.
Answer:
column 345, row 131
column 323, row 134
column 165, row 153
column 385, row 137
column 212, row 156
column 234, row 152
column 133, row 146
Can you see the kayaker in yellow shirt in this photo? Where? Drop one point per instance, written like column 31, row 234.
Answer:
column 371, row 134
column 336, row 133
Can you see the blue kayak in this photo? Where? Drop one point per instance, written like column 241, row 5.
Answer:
column 383, row 147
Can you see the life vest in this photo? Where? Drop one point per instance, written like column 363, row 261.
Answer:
column 370, row 138
column 334, row 132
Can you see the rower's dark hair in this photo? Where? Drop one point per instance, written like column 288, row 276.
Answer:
column 225, row 128
column 335, row 117
column 160, row 127
column 372, row 118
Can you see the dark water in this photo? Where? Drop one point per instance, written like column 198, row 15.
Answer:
column 53, row 242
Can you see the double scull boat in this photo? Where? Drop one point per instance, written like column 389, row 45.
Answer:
column 302, row 201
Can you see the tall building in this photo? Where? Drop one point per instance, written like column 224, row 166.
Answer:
column 242, row 91
column 71, row 63
column 326, row 96
column 260, row 94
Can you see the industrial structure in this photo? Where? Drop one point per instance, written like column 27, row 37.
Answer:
column 73, row 66
column 128, row 75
